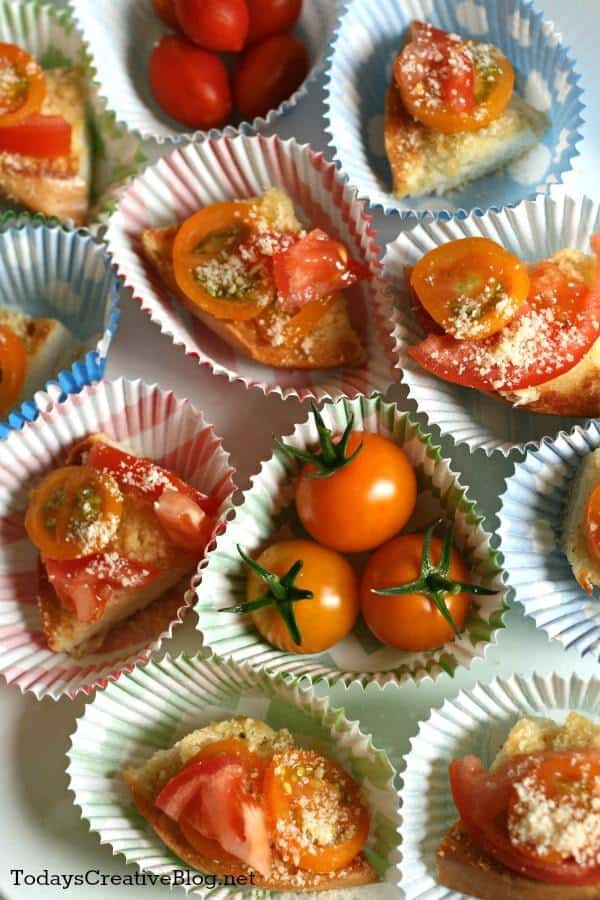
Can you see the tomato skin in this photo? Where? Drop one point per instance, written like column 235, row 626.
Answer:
column 409, row 621
column 268, row 73
column 324, row 620
column 269, row 17
column 165, row 10
column 217, row 25
column 592, row 523
column 460, row 271
column 190, row 84
column 45, row 137
column 363, row 504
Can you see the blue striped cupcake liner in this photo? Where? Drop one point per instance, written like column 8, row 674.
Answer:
column 368, row 39
column 50, row 271
column 531, row 520
column 120, row 37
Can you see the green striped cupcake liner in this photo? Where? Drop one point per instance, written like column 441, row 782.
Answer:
column 50, row 35
column 156, row 704
column 267, row 513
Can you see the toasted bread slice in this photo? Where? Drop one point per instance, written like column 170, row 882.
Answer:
column 424, row 161
column 49, row 346
column 463, row 867
column 586, row 567
column 332, row 343
column 56, row 187
column 146, row 782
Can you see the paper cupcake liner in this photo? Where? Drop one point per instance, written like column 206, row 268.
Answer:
column 268, row 513
column 51, row 272
column 366, row 43
column 159, row 703
column 534, row 230
column 121, row 37
column 151, row 422
column 531, row 516
column 478, row 722
column 199, row 174
column 50, row 36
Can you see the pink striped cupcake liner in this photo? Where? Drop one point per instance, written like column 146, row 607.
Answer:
column 151, row 422
column 199, row 174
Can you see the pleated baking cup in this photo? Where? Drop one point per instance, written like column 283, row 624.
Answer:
column 230, row 168
column 367, row 41
column 159, row 703
column 531, row 515
column 534, row 230
column 121, row 37
column 149, row 421
column 50, row 35
column 478, row 722
column 51, row 272
column 267, row 514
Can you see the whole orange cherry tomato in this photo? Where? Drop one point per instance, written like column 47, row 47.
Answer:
column 423, row 617
column 268, row 73
column 13, row 368
column 354, row 493
column 472, row 287
column 318, row 605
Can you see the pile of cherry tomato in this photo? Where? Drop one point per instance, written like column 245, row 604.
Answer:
column 191, row 81
column 354, row 495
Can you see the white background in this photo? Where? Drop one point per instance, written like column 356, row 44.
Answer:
column 41, row 829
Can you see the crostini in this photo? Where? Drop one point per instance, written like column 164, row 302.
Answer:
column 32, row 352
column 237, row 798
column 525, row 333
column 45, row 158
column 451, row 114
column 115, row 532
column 249, row 272
column 529, row 828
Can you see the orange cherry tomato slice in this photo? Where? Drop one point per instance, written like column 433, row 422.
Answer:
column 592, row 523
column 74, row 512
column 302, row 789
column 203, row 256
column 13, row 368
column 472, row 287
column 452, row 85
column 565, row 779
column 22, row 85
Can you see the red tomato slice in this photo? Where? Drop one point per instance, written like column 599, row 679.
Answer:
column 212, row 797
column 86, row 584
column 47, row 137
column 554, row 330
column 144, row 476
column 437, row 55
column 482, row 799
column 315, row 267
column 186, row 524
